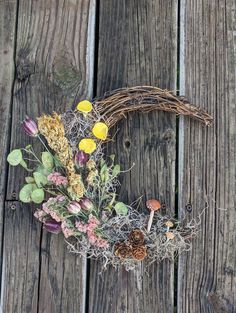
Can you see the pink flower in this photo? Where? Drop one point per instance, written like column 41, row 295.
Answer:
column 57, row 179
column 97, row 241
column 102, row 243
column 45, row 208
column 60, row 198
column 68, row 232
column 93, row 222
column 40, row 215
column 81, row 227
column 92, row 237
column 55, row 216
column 91, row 227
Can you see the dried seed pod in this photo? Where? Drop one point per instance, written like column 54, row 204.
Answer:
column 136, row 238
column 139, row 253
column 122, row 250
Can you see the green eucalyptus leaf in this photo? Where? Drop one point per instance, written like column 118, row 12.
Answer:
column 29, row 180
column 25, row 192
column 15, row 157
column 103, row 169
column 37, row 195
column 24, row 165
column 43, row 170
column 104, row 173
column 40, row 179
column 28, row 147
column 47, row 160
column 112, row 157
column 102, row 162
column 116, row 170
column 121, row 208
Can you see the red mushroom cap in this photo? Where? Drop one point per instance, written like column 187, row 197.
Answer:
column 153, row 204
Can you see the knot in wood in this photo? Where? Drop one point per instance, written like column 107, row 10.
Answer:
column 24, row 68
column 169, row 135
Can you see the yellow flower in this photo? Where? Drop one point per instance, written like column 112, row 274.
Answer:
column 84, row 106
column 100, row 130
column 87, row 145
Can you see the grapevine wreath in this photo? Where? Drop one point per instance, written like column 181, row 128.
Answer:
column 76, row 184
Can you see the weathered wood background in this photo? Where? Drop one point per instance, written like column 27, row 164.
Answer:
column 54, row 53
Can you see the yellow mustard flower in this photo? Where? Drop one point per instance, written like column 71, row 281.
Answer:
column 84, row 106
column 100, row 130
column 87, row 145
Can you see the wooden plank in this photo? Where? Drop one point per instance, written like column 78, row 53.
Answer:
column 54, row 64
column 137, row 45
column 21, row 259
column 207, row 276
column 8, row 11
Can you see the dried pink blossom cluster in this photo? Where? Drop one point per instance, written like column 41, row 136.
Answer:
column 46, row 208
column 40, row 215
column 89, row 228
column 57, row 179
column 67, row 230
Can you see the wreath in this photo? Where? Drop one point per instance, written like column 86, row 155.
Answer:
column 75, row 184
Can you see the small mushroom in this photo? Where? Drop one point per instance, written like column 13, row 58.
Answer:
column 153, row 205
column 169, row 224
column 170, row 236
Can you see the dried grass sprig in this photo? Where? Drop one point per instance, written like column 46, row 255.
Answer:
column 114, row 105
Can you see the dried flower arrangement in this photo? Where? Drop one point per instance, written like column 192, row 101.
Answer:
column 76, row 184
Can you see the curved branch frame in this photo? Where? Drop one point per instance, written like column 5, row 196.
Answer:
column 115, row 105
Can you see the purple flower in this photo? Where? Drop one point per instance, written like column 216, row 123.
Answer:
column 52, row 226
column 74, row 207
column 86, row 204
column 30, row 127
column 60, row 198
column 81, row 158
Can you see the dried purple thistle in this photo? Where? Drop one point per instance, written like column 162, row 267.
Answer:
column 81, row 158
column 86, row 204
column 74, row 207
column 30, row 127
column 52, row 226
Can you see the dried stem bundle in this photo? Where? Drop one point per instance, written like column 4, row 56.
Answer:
column 114, row 105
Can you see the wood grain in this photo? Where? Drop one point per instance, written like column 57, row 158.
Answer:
column 207, row 275
column 137, row 45
column 7, row 49
column 54, row 69
column 20, row 259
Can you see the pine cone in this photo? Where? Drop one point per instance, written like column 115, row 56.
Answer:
column 139, row 253
column 122, row 250
column 136, row 238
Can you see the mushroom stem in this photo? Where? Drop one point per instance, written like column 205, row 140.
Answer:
column 150, row 221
